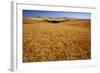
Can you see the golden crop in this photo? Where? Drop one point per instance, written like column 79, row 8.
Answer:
column 44, row 41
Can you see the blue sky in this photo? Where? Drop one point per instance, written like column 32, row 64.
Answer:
column 35, row 13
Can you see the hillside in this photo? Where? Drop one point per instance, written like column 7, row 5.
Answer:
column 45, row 40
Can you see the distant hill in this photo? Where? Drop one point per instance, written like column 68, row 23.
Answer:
column 48, row 19
column 59, row 20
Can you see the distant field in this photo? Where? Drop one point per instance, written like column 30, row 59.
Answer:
column 56, row 39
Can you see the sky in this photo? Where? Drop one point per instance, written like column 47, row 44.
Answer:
column 35, row 13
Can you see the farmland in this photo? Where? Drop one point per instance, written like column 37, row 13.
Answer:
column 56, row 39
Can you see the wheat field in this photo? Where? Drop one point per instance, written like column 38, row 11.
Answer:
column 47, row 41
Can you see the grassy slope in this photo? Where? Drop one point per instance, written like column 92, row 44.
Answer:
column 45, row 41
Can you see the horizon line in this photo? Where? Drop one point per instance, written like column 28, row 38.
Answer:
column 55, row 17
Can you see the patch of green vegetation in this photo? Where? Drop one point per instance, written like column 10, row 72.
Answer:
column 57, row 21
